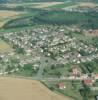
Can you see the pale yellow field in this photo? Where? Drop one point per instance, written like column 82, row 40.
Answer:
column 35, row 5
column 81, row 4
column 88, row 4
column 4, row 47
column 5, row 15
column 47, row 4
column 23, row 89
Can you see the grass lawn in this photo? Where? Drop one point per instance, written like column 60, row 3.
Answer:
column 71, row 91
column 58, row 69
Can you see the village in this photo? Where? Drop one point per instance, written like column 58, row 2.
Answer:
column 44, row 53
column 49, row 50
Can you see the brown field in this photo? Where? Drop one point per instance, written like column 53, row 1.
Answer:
column 23, row 89
column 5, row 15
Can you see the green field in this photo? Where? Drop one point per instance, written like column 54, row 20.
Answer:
column 41, row 17
column 65, row 4
column 31, row 14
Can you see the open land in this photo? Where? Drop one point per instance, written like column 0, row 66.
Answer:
column 22, row 89
column 48, row 4
column 5, row 15
column 4, row 47
column 35, row 5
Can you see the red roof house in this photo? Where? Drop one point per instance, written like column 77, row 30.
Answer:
column 96, row 76
column 61, row 86
column 76, row 71
column 88, row 82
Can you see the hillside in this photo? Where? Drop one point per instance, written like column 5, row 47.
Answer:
column 21, row 1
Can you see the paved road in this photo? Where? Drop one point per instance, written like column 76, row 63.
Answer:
column 48, row 79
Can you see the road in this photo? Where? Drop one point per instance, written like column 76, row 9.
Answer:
column 70, row 78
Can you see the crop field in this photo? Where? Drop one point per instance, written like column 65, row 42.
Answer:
column 6, row 15
column 48, row 4
column 90, row 5
column 82, row 5
column 21, row 4
column 23, row 89
column 62, row 5
column 4, row 47
column 34, row 5
column 69, row 5
column 55, row 17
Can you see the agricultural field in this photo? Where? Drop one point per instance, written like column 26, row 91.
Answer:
column 88, row 4
column 81, row 20
column 34, row 5
column 82, row 4
column 4, row 47
column 48, row 4
column 6, row 15
column 55, row 15
column 63, row 5
column 22, row 89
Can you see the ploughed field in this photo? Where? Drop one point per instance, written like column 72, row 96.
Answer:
column 23, row 89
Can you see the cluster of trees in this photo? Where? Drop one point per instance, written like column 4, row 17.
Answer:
column 89, row 67
column 27, row 70
column 18, row 49
column 85, row 92
column 95, row 41
column 54, row 70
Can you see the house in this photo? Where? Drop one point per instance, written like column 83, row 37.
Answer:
column 88, row 82
column 84, row 76
column 61, row 86
column 76, row 71
column 96, row 76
